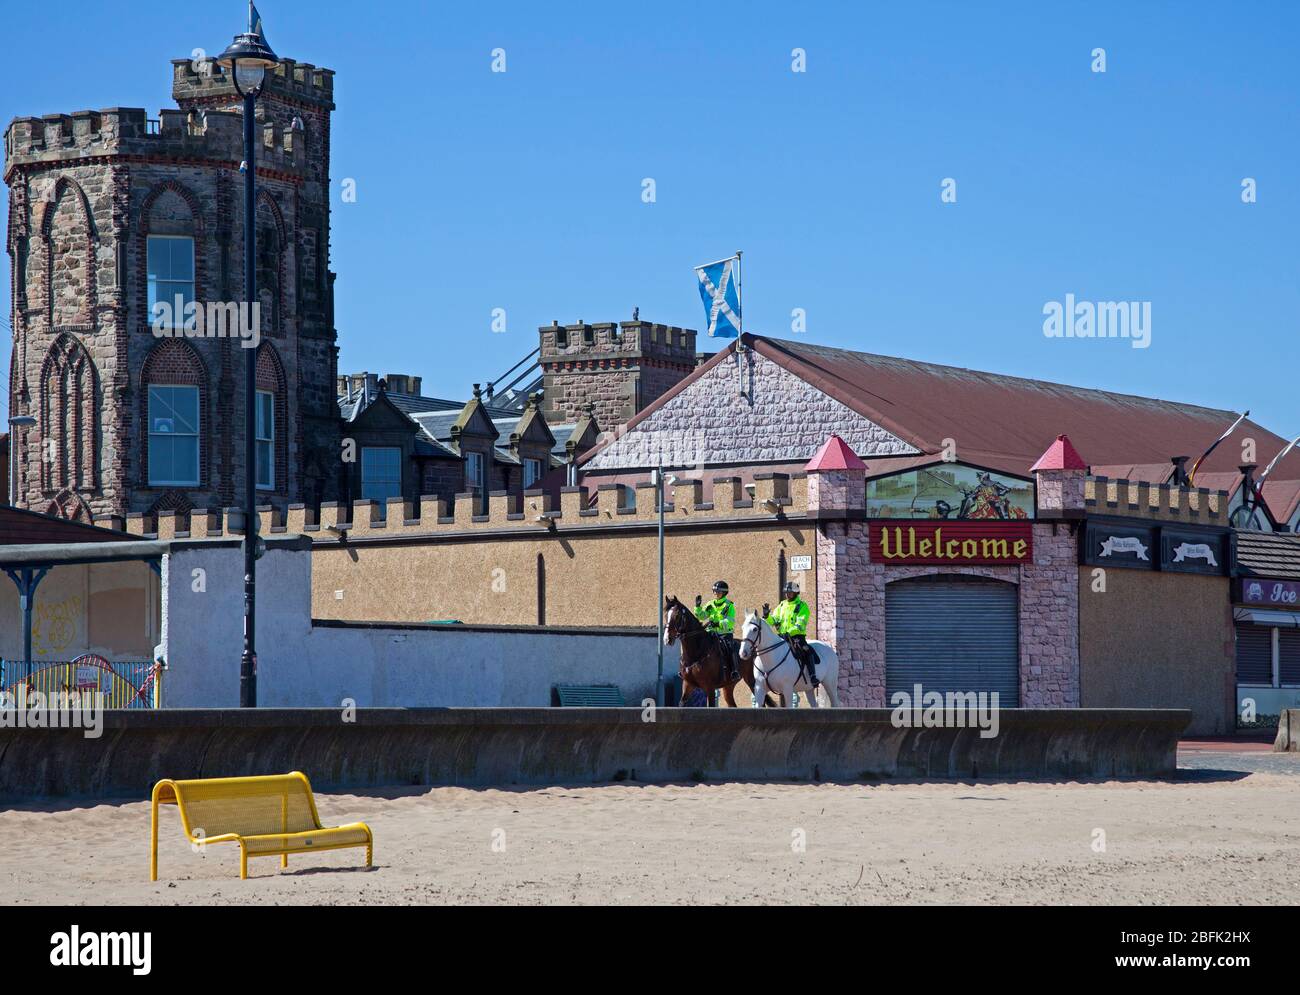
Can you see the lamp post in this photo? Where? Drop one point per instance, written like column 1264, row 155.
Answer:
column 15, row 423
column 248, row 59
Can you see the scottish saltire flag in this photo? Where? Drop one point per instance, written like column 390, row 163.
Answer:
column 254, row 21
column 721, row 296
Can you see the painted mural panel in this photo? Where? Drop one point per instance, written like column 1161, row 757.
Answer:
column 950, row 491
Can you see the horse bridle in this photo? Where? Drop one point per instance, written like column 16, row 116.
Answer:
column 760, row 650
column 673, row 633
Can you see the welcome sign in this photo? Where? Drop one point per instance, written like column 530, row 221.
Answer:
column 952, row 543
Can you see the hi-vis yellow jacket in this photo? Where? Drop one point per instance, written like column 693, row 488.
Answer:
column 790, row 618
column 718, row 615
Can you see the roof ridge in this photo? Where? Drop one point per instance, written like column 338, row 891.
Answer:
column 793, row 346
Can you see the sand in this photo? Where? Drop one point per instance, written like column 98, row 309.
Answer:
column 1205, row 838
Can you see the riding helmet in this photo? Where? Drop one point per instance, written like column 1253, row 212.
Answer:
column 790, row 588
column 720, row 587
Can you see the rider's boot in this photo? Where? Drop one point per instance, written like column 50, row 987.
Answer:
column 812, row 672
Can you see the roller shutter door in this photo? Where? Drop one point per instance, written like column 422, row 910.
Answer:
column 1254, row 654
column 1288, row 646
column 953, row 635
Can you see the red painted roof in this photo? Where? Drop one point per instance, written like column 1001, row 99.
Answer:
column 835, row 454
column 1002, row 422
column 1060, row 455
column 1281, row 496
column 19, row 527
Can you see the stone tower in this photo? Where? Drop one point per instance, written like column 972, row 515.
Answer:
column 620, row 368
column 110, row 210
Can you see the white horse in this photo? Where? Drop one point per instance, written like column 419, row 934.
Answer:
column 777, row 670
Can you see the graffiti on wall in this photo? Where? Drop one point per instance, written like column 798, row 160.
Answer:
column 55, row 626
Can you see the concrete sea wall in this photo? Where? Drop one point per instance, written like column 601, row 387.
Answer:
column 503, row 746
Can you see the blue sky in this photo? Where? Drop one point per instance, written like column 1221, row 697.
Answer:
column 522, row 190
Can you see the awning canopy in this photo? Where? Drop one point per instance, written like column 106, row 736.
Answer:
column 1267, row 616
column 70, row 553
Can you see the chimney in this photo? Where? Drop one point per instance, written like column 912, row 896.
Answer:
column 1179, row 478
column 1248, row 484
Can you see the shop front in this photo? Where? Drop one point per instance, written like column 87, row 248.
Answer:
column 945, row 630
column 946, row 578
column 1266, row 620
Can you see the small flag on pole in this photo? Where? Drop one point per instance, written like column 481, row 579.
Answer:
column 1205, row 455
column 254, row 21
column 720, row 291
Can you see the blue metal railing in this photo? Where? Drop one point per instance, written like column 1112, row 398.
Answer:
column 123, row 683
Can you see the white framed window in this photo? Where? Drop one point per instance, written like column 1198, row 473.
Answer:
column 173, row 435
column 474, row 472
column 381, row 473
column 265, row 439
column 171, row 274
column 532, row 472
column 476, row 479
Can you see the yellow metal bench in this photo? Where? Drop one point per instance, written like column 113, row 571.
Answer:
column 269, row 815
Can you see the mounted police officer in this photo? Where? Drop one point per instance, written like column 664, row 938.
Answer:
column 719, row 618
column 790, row 620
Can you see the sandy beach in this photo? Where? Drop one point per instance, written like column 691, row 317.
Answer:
column 1208, row 837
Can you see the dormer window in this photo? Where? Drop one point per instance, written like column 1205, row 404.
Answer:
column 532, row 472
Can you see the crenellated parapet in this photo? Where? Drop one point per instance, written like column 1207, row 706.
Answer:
column 84, row 137
column 206, row 125
column 1163, row 502
column 200, row 82
column 771, row 497
column 612, row 340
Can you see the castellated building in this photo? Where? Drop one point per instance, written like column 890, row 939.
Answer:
column 111, row 211
column 619, row 369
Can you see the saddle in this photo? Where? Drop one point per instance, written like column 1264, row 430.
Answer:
column 729, row 649
column 803, row 656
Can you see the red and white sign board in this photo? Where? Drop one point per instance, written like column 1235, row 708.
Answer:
column 986, row 543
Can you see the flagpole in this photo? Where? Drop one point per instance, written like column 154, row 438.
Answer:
column 1205, row 455
column 740, row 305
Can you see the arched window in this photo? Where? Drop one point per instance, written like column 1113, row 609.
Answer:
column 174, row 402
column 270, row 263
column 68, row 233
column 69, row 418
column 272, row 422
column 171, row 235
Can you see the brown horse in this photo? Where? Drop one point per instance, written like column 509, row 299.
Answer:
column 702, row 661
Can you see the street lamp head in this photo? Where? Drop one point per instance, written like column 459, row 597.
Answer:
column 249, row 57
column 22, row 421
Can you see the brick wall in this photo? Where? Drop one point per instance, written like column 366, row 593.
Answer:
column 851, row 613
column 851, row 592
